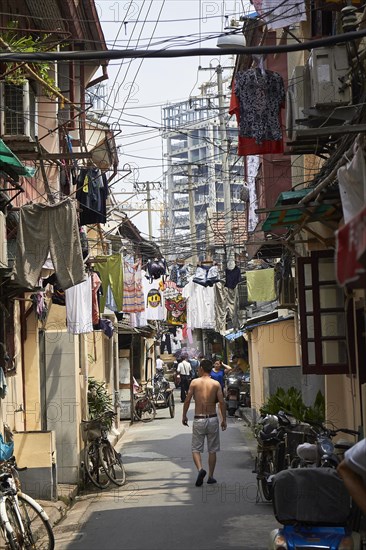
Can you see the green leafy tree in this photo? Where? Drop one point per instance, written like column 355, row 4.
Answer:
column 17, row 73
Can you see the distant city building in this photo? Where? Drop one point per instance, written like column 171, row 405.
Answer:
column 194, row 153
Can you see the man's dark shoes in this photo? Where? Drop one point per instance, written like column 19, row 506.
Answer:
column 200, row 477
column 211, row 480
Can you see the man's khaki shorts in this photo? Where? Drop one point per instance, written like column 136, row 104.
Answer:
column 206, row 427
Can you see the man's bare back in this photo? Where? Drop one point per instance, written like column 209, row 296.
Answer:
column 206, row 393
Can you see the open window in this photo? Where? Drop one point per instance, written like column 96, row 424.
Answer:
column 326, row 318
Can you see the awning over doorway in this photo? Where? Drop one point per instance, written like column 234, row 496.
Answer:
column 288, row 212
column 11, row 165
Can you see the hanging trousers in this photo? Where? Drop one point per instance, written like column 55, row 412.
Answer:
column 49, row 228
column 111, row 274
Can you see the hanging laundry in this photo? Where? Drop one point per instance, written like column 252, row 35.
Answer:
column 155, row 269
column 232, row 277
column 154, row 299
column 165, row 344
column 352, row 183
column 111, row 274
column 3, row 384
column 133, row 296
column 176, row 310
column 200, row 305
column 280, row 14
column 206, row 275
column 39, row 306
column 48, row 228
column 64, row 178
column 92, row 193
column 96, row 284
column 261, row 285
column 248, row 146
column 58, row 294
column 84, row 242
column 261, row 97
column 179, row 274
column 79, row 308
column 107, row 327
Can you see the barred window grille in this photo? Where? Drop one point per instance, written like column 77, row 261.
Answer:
column 14, row 111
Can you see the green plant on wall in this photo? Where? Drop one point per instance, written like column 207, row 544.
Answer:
column 291, row 402
column 99, row 400
column 17, row 73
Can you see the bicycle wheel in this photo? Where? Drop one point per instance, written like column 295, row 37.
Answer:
column 112, row 464
column 38, row 530
column 145, row 409
column 93, row 466
column 171, row 405
column 266, row 469
column 13, row 528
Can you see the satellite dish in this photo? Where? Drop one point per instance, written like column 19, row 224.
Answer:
column 230, row 40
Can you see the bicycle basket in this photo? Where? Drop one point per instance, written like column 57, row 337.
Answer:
column 91, row 429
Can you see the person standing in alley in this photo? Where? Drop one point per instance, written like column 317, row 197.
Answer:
column 184, row 370
column 206, row 393
column 159, row 364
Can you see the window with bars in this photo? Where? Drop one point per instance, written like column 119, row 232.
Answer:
column 14, row 111
column 19, row 109
column 326, row 317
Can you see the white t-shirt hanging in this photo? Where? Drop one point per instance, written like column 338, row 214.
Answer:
column 200, row 305
column 154, row 299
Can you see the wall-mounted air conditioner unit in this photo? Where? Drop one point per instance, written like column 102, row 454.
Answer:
column 295, row 101
column 18, row 112
column 327, row 68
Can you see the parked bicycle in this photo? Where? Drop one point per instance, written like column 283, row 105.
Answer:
column 278, row 437
column 144, row 408
column 102, row 463
column 23, row 522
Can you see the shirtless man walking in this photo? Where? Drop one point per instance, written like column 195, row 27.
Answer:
column 206, row 393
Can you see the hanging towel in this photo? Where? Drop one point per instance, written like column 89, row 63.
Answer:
column 261, row 287
column 79, row 308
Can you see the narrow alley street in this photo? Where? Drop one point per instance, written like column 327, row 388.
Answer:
column 160, row 507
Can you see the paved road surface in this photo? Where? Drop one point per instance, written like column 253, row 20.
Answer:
column 160, row 507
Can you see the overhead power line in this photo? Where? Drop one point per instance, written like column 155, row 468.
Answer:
column 40, row 57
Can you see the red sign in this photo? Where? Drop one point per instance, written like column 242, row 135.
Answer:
column 351, row 249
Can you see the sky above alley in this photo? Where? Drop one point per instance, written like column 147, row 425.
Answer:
column 138, row 88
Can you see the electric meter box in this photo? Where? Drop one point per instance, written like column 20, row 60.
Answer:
column 327, row 67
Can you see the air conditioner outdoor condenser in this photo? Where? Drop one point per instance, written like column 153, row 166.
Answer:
column 327, row 69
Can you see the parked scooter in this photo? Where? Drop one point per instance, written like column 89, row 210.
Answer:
column 324, row 452
column 237, row 391
column 314, row 507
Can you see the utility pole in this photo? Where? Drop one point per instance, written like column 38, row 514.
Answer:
column 230, row 253
column 146, row 185
column 192, row 216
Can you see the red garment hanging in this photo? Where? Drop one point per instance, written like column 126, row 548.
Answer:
column 248, row 146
